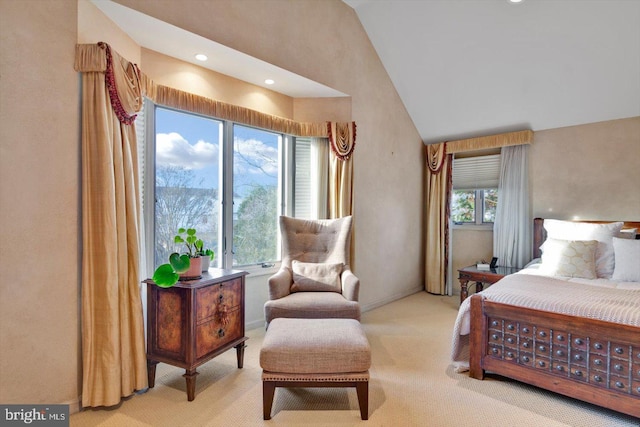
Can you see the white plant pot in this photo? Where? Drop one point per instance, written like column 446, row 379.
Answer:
column 205, row 263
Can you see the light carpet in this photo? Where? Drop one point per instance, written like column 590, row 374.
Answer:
column 412, row 384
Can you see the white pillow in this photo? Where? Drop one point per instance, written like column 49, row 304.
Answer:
column 603, row 233
column 316, row 277
column 569, row 258
column 627, row 254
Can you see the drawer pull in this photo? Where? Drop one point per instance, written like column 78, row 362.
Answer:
column 526, row 344
column 541, row 363
column 619, row 384
column 526, row 331
column 598, row 346
column 577, row 357
column 494, row 336
column 618, row 367
column 559, row 368
column 525, row 359
column 598, row 378
column 560, row 337
column 598, row 362
column 510, row 340
column 578, row 341
column 542, row 334
column 494, row 323
column 510, row 355
column 619, row 350
column 510, row 327
column 578, row 373
column 560, row 353
column 542, row 348
column 220, row 333
column 494, row 350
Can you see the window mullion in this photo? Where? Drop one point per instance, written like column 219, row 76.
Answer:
column 226, row 224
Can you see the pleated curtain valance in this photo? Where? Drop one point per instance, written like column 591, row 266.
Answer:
column 92, row 57
column 490, row 141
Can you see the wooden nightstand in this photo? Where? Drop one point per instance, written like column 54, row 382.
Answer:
column 195, row 321
column 473, row 274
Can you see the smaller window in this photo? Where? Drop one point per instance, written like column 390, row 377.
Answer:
column 475, row 189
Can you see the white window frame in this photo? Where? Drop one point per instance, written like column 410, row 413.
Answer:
column 286, row 186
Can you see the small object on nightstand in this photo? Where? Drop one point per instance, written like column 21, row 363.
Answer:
column 483, row 265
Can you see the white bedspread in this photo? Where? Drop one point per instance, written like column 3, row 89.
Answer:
column 597, row 299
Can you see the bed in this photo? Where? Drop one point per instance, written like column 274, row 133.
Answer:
column 578, row 335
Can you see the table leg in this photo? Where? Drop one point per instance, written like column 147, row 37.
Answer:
column 463, row 290
column 479, row 287
column 190, row 376
column 240, row 354
column 151, row 372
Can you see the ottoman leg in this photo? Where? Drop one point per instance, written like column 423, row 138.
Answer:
column 268, row 390
column 362, row 388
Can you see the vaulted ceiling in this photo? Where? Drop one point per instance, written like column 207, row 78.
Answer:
column 465, row 68
column 474, row 67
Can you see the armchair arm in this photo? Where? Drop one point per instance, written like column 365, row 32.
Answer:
column 350, row 284
column 280, row 284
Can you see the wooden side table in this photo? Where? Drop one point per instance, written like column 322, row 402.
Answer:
column 195, row 321
column 473, row 274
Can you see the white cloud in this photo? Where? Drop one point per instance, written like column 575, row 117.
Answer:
column 253, row 156
column 173, row 150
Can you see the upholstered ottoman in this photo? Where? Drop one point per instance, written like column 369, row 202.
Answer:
column 315, row 353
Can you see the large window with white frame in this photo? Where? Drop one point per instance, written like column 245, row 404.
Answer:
column 229, row 181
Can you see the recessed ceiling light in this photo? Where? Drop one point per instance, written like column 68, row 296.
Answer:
column 201, row 57
column 269, row 81
column 515, row 1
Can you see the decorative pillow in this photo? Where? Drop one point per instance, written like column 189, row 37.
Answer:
column 603, row 233
column 627, row 254
column 569, row 258
column 314, row 277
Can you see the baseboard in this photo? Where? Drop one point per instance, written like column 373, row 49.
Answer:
column 255, row 324
column 390, row 299
column 261, row 323
column 74, row 405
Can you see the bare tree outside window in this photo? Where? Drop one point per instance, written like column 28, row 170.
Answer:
column 181, row 202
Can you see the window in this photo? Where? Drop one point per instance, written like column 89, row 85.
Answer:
column 475, row 189
column 227, row 180
column 256, row 189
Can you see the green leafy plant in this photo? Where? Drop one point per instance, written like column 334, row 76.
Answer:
column 200, row 250
column 167, row 275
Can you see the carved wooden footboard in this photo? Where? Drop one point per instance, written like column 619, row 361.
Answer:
column 591, row 360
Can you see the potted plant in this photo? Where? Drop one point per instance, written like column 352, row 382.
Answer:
column 187, row 266
column 207, row 255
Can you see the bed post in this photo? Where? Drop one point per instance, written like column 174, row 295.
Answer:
column 477, row 342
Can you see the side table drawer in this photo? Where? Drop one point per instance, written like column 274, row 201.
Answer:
column 207, row 299
column 210, row 336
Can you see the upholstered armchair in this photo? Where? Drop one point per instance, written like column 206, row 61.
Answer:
column 315, row 279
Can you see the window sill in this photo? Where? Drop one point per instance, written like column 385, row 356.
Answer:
column 473, row 227
column 257, row 271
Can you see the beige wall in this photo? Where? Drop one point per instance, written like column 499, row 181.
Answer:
column 590, row 171
column 388, row 160
column 39, row 320
column 39, row 211
column 587, row 172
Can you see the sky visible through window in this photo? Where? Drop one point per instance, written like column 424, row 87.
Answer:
column 193, row 142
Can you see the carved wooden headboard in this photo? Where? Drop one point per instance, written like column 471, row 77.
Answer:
column 539, row 233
